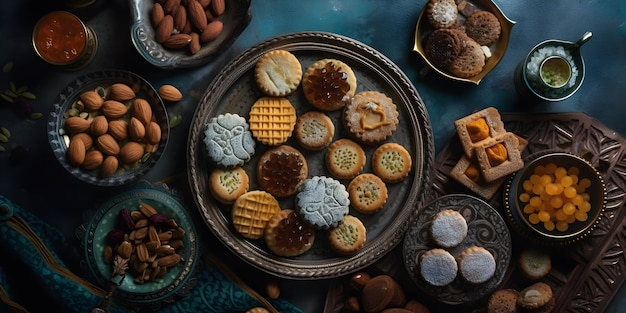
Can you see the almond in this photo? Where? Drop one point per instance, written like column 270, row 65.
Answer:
column 99, row 125
column 91, row 100
column 153, row 133
column 170, row 6
column 205, row 3
column 170, row 93
column 76, row 152
column 164, row 30
column 180, row 18
column 108, row 145
column 93, row 159
column 118, row 129
column 218, row 7
column 196, row 15
column 76, row 124
column 136, row 130
column 114, row 109
column 86, row 138
column 124, row 249
column 211, row 31
column 121, row 92
column 194, row 45
column 142, row 110
column 131, row 152
column 167, row 261
column 157, row 14
column 109, row 166
column 177, row 41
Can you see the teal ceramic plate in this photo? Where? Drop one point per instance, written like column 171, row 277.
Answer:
column 105, row 219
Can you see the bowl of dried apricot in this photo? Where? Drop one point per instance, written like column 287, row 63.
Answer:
column 557, row 198
column 108, row 128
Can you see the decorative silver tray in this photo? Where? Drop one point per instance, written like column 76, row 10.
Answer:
column 234, row 91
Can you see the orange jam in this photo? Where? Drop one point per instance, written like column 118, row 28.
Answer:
column 60, row 37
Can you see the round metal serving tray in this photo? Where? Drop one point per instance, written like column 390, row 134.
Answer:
column 234, row 91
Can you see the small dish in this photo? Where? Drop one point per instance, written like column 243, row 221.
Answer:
column 486, row 229
column 236, row 18
column 576, row 231
column 59, row 139
column 178, row 278
column 498, row 49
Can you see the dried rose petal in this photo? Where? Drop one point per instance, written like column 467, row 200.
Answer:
column 126, row 219
column 115, row 236
column 158, row 219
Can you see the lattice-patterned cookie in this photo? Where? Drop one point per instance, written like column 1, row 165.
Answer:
column 272, row 120
column 251, row 212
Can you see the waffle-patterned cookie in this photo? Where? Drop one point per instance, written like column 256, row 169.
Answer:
column 251, row 212
column 272, row 120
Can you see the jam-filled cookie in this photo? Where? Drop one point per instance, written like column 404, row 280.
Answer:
column 371, row 117
column 328, row 84
column 286, row 234
column 281, row 170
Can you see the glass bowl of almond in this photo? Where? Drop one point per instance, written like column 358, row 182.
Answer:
column 142, row 245
column 108, row 128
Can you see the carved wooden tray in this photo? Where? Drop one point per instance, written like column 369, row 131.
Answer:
column 586, row 275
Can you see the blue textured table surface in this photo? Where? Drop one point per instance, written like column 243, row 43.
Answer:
column 39, row 184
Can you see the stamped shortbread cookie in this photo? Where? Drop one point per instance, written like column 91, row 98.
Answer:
column 228, row 140
column 322, row 202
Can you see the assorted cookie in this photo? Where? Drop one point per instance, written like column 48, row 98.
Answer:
column 476, row 265
column 448, row 228
column 438, row 267
column 461, row 38
column 321, row 203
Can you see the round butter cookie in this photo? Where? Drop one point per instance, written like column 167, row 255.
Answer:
column 251, row 211
column 328, row 84
column 278, row 73
column 348, row 237
column 469, row 62
column 534, row 264
column 228, row 140
column 441, row 13
column 322, row 202
column 272, row 120
column 281, row 170
column 368, row 193
column 391, row 162
column 371, row 117
column 286, row 234
column 448, row 228
column 314, row 130
column 483, row 27
column 438, row 267
column 227, row 184
column 345, row 159
column 443, row 46
column 476, row 265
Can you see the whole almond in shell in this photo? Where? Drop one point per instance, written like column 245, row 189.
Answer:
column 165, row 28
column 76, row 124
column 157, row 14
column 212, row 31
column 177, row 41
column 91, row 100
column 141, row 110
column 153, row 133
column 218, row 7
column 109, row 166
column 131, row 152
column 118, row 129
column 114, row 109
column 196, row 15
column 108, row 145
column 76, row 152
column 86, row 138
column 93, row 159
column 99, row 125
column 121, row 92
column 136, row 130
column 170, row 93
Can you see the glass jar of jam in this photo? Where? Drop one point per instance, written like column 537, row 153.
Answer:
column 61, row 38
